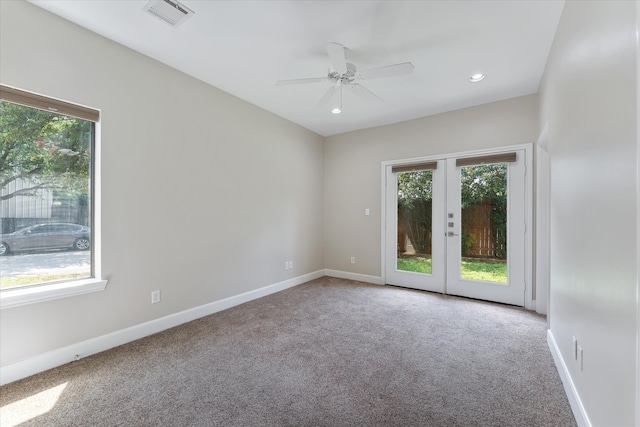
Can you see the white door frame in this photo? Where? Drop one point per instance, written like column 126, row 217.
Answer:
column 542, row 216
column 528, row 264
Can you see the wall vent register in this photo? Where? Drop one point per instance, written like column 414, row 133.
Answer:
column 170, row 12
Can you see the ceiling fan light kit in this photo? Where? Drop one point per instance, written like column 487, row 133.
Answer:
column 338, row 108
column 342, row 73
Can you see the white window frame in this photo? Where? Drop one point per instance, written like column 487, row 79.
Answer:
column 21, row 296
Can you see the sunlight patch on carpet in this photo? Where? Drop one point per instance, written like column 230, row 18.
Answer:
column 31, row 407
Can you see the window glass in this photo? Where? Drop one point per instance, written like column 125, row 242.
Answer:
column 415, row 220
column 483, row 195
column 45, row 196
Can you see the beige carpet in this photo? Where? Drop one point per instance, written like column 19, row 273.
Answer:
column 327, row 353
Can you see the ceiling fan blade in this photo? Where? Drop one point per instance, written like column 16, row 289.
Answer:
column 365, row 94
column 326, row 98
column 299, row 81
column 388, row 71
column 337, row 57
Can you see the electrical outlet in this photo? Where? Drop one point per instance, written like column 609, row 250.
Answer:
column 155, row 297
column 580, row 358
column 291, row 264
column 353, row 260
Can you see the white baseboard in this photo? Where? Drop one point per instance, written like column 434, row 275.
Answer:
column 61, row 356
column 376, row 280
column 569, row 387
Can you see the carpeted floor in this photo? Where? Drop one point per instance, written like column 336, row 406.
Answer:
column 330, row 352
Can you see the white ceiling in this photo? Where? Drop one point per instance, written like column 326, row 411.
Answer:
column 243, row 47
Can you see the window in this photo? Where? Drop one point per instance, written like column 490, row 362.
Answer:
column 47, row 197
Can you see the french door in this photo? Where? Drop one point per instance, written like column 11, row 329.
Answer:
column 456, row 225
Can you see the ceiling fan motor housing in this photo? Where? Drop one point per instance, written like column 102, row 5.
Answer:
column 344, row 78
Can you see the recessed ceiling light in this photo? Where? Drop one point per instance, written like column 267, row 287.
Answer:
column 336, row 111
column 476, row 78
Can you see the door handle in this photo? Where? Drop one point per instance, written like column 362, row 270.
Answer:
column 451, row 234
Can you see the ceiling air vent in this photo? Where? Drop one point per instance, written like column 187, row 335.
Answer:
column 171, row 12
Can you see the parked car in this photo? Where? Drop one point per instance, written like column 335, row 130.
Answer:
column 46, row 236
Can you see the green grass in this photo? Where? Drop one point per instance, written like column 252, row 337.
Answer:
column 9, row 282
column 417, row 263
column 484, row 269
column 472, row 268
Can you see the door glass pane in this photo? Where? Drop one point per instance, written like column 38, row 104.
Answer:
column 415, row 221
column 483, row 192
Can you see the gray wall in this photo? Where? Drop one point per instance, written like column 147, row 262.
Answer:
column 353, row 168
column 244, row 185
column 588, row 99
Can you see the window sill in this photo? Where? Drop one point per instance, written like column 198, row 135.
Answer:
column 16, row 297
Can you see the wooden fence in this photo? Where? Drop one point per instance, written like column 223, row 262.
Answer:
column 477, row 231
column 478, row 234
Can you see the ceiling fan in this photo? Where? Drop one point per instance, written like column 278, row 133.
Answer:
column 343, row 74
